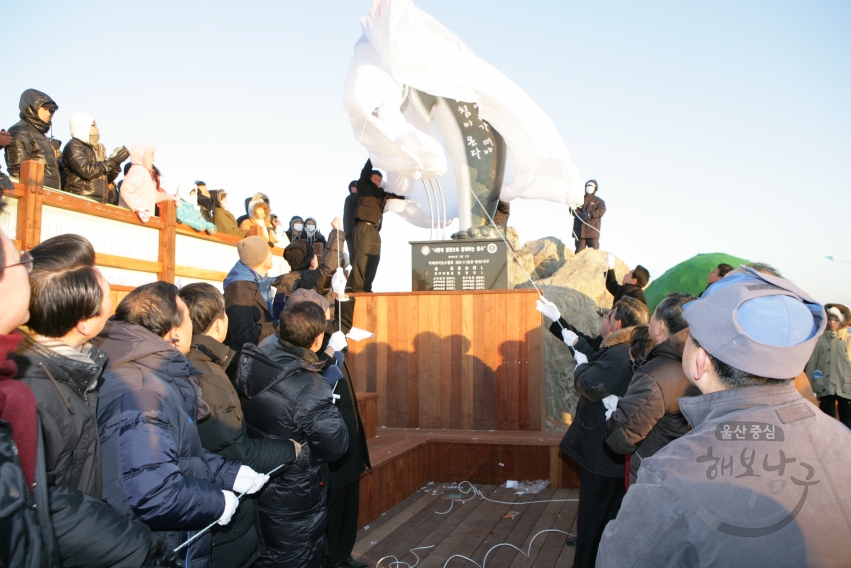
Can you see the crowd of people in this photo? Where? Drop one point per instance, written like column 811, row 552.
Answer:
column 730, row 372
column 205, row 429
column 141, row 439
column 83, row 168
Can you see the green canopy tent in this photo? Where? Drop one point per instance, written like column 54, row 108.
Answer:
column 688, row 276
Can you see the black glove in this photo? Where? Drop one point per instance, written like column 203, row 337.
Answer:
column 160, row 554
column 119, row 155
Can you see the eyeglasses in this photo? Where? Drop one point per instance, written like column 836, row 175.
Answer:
column 26, row 261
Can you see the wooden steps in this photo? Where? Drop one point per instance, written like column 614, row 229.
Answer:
column 407, row 459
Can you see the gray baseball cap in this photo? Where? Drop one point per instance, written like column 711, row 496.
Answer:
column 757, row 323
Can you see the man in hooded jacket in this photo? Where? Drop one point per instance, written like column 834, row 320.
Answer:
column 586, row 224
column 285, row 397
column 88, row 172
column 306, row 269
column 29, row 137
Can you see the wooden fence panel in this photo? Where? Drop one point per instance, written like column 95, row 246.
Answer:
column 455, row 360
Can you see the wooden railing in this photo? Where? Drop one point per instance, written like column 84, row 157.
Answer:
column 32, row 196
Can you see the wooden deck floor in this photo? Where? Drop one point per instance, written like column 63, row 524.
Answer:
column 471, row 529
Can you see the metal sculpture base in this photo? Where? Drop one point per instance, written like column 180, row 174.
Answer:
column 470, row 264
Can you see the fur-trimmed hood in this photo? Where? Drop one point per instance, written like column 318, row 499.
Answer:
column 619, row 337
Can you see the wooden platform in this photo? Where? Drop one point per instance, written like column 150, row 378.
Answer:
column 471, row 529
column 406, row 459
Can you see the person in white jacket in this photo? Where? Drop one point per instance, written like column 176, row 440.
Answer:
column 139, row 191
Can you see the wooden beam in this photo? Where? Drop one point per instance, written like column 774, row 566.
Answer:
column 18, row 190
column 216, row 238
column 127, row 263
column 29, row 204
column 168, row 239
column 200, row 273
column 70, row 202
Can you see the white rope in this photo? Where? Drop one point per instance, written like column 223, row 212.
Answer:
column 211, row 525
column 476, row 493
column 396, row 562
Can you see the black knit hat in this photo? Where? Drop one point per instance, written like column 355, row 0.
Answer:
column 298, row 255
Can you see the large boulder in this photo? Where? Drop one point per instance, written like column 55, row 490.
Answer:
column 578, row 287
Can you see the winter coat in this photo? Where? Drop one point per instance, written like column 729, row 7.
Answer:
column 238, row 543
column 318, row 279
column 592, row 210
column 586, row 344
column 832, row 357
column 292, row 234
column 65, row 390
column 189, row 214
column 621, row 290
column 283, row 397
column 154, row 466
column 249, row 310
column 44, row 525
column 699, row 499
column 371, row 198
column 188, row 211
column 226, row 223
column 261, row 230
column 84, row 174
column 648, row 416
column 349, row 207
column 607, row 372
column 346, row 469
column 316, row 237
column 30, row 141
column 206, row 206
column 138, row 188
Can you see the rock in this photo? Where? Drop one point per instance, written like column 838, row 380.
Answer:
column 576, row 283
column 549, row 255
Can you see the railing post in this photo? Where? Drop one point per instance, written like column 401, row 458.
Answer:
column 30, row 203
column 168, row 239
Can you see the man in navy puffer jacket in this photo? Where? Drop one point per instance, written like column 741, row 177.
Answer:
column 154, row 466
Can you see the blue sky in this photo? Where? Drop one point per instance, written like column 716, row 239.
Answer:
column 710, row 126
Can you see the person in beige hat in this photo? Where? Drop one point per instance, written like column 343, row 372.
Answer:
column 248, row 293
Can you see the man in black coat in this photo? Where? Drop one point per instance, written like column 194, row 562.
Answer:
column 284, row 396
column 238, row 544
column 69, row 306
column 586, row 223
column 632, row 284
column 368, row 217
column 598, row 374
column 344, row 486
column 88, row 172
column 29, row 140
column 349, row 208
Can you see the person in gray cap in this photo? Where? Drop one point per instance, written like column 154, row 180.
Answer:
column 762, row 478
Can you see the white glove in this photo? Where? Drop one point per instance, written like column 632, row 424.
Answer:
column 338, row 283
column 144, row 216
column 579, row 357
column 610, row 260
column 569, row 337
column 248, row 480
column 338, row 341
column 231, row 503
column 611, row 404
column 547, row 308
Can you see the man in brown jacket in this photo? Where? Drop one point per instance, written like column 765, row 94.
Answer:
column 648, row 417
